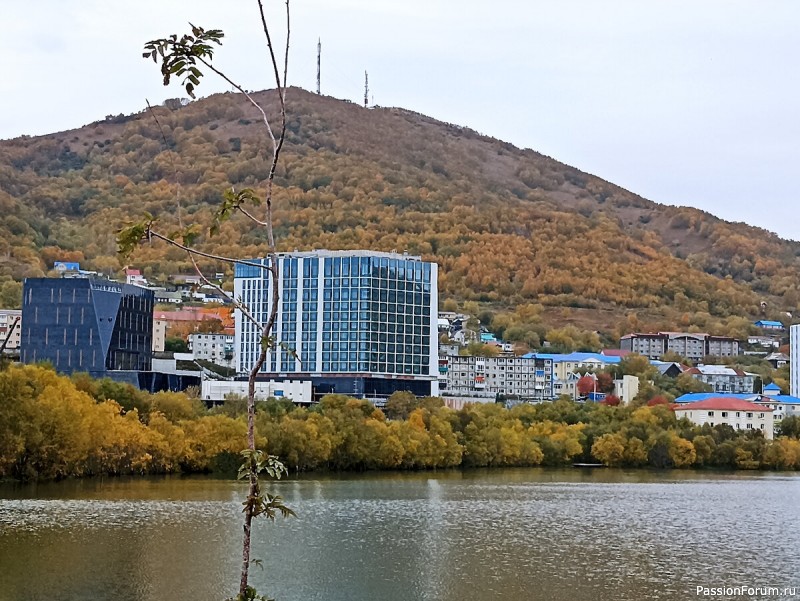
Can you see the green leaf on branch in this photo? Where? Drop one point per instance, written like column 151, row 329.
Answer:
column 231, row 202
column 180, row 56
column 268, row 342
column 133, row 234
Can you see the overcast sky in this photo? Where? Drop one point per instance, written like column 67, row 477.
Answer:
column 683, row 102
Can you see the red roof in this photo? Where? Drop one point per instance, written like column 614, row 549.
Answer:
column 615, row 352
column 224, row 314
column 724, row 404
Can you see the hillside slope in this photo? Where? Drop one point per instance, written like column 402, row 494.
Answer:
column 508, row 226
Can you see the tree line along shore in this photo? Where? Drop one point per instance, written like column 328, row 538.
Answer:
column 54, row 427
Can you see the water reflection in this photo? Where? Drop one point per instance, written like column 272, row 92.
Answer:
column 510, row 534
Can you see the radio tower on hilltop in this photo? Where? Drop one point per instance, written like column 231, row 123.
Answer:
column 366, row 88
column 319, row 55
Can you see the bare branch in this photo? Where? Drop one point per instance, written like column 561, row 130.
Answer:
column 251, row 217
column 244, row 92
column 236, row 302
column 199, row 253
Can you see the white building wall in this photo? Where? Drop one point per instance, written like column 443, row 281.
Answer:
column 8, row 317
column 486, row 377
column 214, row 348
column 738, row 420
column 626, row 388
column 296, row 390
column 794, row 360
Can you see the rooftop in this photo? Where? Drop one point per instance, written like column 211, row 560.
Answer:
column 724, row 404
column 695, row 397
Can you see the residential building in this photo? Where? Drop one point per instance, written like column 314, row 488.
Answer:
column 168, row 296
column 690, row 345
column 298, row 391
column 135, row 277
column 359, row 322
column 794, row 360
column 782, row 405
column 777, row 359
column 11, row 328
column 766, row 324
column 216, row 348
column 159, row 335
column 764, row 341
column 86, row 324
column 670, row 369
column 528, row 378
column 737, row 413
column 626, row 388
column 567, row 386
column 723, row 379
column 565, row 364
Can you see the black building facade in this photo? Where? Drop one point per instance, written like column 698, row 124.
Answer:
column 87, row 325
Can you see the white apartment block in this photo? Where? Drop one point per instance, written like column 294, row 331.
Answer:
column 217, row 348
column 486, row 377
column 724, row 379
column 794, row 360
column 11, row 327
column 738, row 414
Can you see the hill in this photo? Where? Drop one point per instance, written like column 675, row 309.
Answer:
column 508, row 226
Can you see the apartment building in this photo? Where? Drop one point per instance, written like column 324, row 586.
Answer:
column 528, row 377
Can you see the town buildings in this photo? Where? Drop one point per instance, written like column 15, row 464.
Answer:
column 766, row 324
column 794, row 360
column 723, row 379
column 524, row 378
column 10, row 328
column 358, row 322
column 737, row 413
column 216, row 348
column 86, row 324
column 565, row 364
column 159, row 334
column 688, row 345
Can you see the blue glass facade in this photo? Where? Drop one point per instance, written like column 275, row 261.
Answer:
column 343, row 312
column 83, row 324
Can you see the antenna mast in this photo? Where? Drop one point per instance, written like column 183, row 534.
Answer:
column 366, row 89
column 319, row 55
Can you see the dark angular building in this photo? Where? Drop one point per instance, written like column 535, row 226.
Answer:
column 87, row 324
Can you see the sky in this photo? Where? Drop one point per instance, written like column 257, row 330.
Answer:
column 689, row 103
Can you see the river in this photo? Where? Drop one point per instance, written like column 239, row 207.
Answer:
column 516, row 534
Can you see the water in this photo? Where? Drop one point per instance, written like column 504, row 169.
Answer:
column 505, row 534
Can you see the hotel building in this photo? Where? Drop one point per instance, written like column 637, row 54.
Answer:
column 358, row 322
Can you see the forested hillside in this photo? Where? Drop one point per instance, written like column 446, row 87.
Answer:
column 508, row 227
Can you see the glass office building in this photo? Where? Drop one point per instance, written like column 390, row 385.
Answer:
column 86, row 324
column 361, row 323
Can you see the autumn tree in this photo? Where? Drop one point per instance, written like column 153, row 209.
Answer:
column 586, row 385
column 187, row 57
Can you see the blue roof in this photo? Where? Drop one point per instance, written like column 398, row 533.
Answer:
column 766, row 322
column 772, row 386
column 786, row 399
column 693, row 397
column 575, row 357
